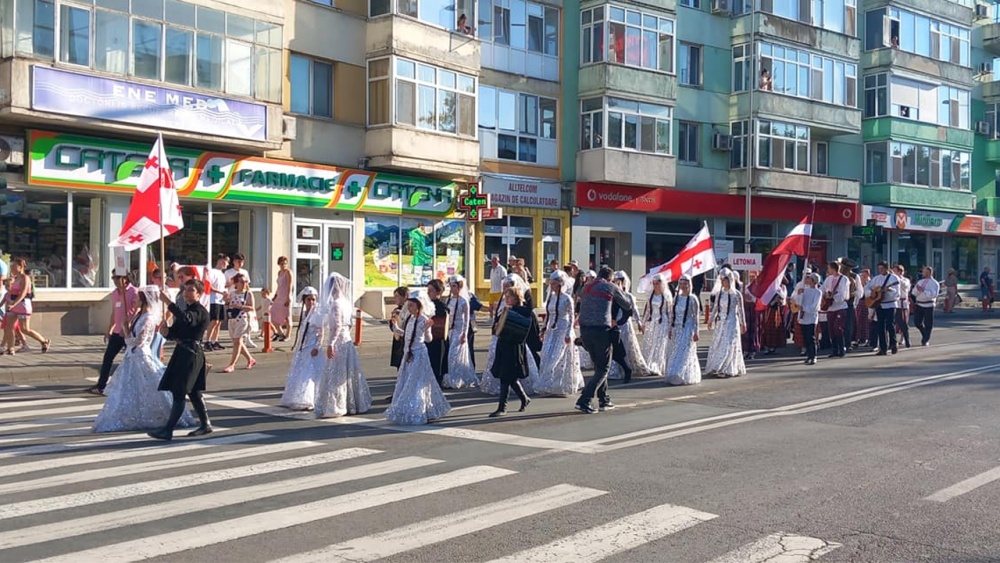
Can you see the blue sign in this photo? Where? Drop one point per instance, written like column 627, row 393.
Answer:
column 84, row 95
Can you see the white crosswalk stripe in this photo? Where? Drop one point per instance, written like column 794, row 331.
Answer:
column 22, row 414
column 10, row 427
column 34, row 401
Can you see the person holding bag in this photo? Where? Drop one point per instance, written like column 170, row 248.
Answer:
column 238, row 311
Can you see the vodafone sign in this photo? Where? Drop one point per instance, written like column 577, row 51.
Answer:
column 625, row 198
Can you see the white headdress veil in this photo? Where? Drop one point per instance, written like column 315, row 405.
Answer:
column 465, row 286
column 154, row 311
column 337, row 289
column 663, row 283
column 627, row 282
column 592, row 275
column 425, row 302
column 723, row 273
column 517, row 282
column 308, row 290
column 566, row 280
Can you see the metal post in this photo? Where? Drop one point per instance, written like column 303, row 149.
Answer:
column 752, row 134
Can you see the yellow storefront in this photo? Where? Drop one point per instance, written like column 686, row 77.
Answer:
column 534, row 226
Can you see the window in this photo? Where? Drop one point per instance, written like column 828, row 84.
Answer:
column 441, row 13
column 800, row 73
column 953, row 109
column 162, row 40
column 876, row 95
column 630, row 125
column 876, row 163
column 634, row 38
column 687, row 144
column 833, row 15
column 411, row 251
column 917, row 34
column 424, row 96
column 739, row 152
column 312, row 86
column 917, row 165
column 992, row 116
column 821, row 154
column 510, row 236
column 782, row 146
column 542, row 27
column 696, row 4
column 742, row 67
column 689, row 64
column 522, row 126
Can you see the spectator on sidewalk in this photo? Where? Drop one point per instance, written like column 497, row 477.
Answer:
column 281, row 308
column 238, row 260
column 124, row 301
column 215, row 287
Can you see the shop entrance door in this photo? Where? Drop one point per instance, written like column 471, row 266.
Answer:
column 937, row 262
column 610, row 250
column 321, row 248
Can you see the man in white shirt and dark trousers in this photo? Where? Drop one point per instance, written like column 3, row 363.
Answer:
column 886, row 287
column 903, row 306
column 497, row 274
column 925, row 292
column 809, row 314
column 215, row 286
column 837, row 290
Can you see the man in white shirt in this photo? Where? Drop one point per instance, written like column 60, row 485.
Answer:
column 903, row 305
column 857, row 294
column 497, row 275
column 215, row 287
column 887, row 284
column 808, row 300
column 237, row 261
column 837, row 290
column 926, row 293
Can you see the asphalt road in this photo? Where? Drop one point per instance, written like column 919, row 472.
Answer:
column 873, row 459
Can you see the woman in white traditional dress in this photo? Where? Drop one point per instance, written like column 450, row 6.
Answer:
column 417, row 397
column 683, row 367
column 725, row 355
column 629, row 335
column 488, row 383
column 585, row 360
column 656, row 325
column 133, row 401
column 342, row 388
column 307, row 365
column 461, row 373
column 559, row 373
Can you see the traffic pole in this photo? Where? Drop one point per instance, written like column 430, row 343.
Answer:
column 357, row 327
column 267, row 337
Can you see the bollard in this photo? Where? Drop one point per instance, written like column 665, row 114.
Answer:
column 267, row 337
column 708, row 312
column 357, row 328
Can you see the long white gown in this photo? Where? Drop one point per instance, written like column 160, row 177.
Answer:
column 683, row 367
column 559, row 373
column 306, row 369
column 491, row 385
column 656, row 331
column 133, row 401
column 417, row 397
column 725, row 355
column 342, row 388
column 461, row 373
column 633, row 352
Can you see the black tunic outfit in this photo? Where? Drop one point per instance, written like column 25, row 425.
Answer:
column 185, row 373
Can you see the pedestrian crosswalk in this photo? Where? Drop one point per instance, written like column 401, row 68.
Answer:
column 71, row 496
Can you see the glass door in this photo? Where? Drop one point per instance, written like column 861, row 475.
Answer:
column 937, row 262
column 338, row 243
column 308, row 261
column 603, row 252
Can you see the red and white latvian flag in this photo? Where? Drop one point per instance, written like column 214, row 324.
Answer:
column 155, row 209
column 795, row 244
column 696, row 258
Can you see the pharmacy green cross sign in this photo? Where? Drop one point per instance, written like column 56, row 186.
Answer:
column 473, row 203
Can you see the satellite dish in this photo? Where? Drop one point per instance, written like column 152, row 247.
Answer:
column 4, row 150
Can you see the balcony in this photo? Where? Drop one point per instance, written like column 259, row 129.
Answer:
column 836, row 118
column 412, row 150
column 804, row 34
column 988, row 206
column 608, row 79
column 950, row 10
column 411, row 38
column 992, row 152
column 991, row 90
column 899, row 129
column 885, row 58
column 780, row 183
column 940, row 199
column 625, row 167
column 991, row 38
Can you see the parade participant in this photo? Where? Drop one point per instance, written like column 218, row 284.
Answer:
column 342, row 388
column 836, row 293
column 862, row 325
column 925, row 292
column 18, row 314
column 185, row 373
column 903, row 304
column 497, row 275
column 308, row 362
column 985, row 289
column 512, row 359
column 461, row 373
column 882, row 293
column 396, row 320
column 437, row 346
column 600, row 303
column 559, row 371
column 793, row 304
column 857, row 295
column 656, row 326
column 773, row 333
column 951, row 298
column 281, row 307
column 683, row 367
column 725, row 355
column 124, row 301
column 808, row 315
column 627, row 353
column 751, row 338
column 585, row 360
column 417, row 398
column 134, row 403
column 238, row 309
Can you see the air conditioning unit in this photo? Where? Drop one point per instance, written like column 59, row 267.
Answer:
column 721, row 142
column 720, row 7
column 288, row 128
column 982, row 11
column 11, row 150
column 983, row 128
column 985, row 68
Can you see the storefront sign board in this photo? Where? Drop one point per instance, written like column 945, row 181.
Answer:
column 88, row 163
column 523, row 192
column 931, row 221
column 85, row 95
column 723, row 248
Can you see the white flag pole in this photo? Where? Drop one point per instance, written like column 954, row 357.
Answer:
column 162, row 158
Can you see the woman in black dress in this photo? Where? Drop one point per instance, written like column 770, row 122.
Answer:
column 511, row 363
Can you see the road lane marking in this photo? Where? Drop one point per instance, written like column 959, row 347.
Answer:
column 28, row 414
column 444, row 528
column 779, row 548
column 272, row 520
column 10, row 427
column 62, row 447
column 28, row 402
column 966, row 486
column 210, row 501
column 615, row 537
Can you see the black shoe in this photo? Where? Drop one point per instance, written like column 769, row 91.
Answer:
column 202, row 430
column 524, row 405
column 834, row 355
column 628, row 376
column 95, row 391
column 585, row 408
column 895, row 351
column 161, row 434
column 880, row 353
column 607, row 406
column 387, row 400
column 498, row 413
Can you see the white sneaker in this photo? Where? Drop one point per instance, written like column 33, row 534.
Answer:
column 24, row 348
column 249, row 343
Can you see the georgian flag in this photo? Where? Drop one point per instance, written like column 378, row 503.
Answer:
column 155, row 210
column 696, row 258
column 795, row 244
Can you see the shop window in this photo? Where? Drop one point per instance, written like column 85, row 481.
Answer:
column 965, row 258
column 510, row 236
column 551, row 244
column 412, row 252
column 211, row 228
